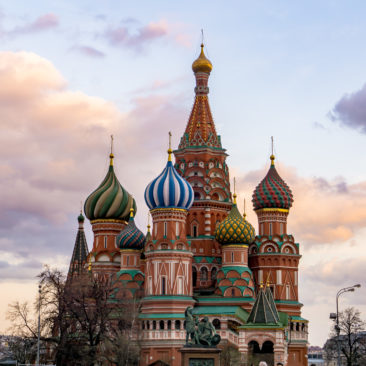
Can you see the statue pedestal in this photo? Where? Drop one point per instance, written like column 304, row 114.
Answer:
column 200, row 356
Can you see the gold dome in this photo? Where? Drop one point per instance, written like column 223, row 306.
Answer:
column 202, row 64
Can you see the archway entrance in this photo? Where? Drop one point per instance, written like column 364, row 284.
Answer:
column 257, row 354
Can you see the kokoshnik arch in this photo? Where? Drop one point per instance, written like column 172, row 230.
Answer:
column 201, row 251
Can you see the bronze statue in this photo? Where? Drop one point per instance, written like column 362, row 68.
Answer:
column 201, row 333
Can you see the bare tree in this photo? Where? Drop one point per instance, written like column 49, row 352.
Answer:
column 81, row 320
column 352, row 339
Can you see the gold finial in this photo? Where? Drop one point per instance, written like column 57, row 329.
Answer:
column 148, row 222
column 244, row 214
column 261, row 284
column 202, row 64
column 267, row 281
column 170, row 147
column 272, row 157
column 234, row 195
column 111, row 156
column 132, row 212
column 90, row 265
column 81, row 207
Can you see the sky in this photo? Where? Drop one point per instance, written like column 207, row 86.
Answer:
column 73, row 73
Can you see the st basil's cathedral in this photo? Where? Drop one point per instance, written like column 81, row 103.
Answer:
column 201, row 252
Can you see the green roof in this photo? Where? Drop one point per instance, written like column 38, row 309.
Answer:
column 264, row 310
column 236, row 311
column 239, row 269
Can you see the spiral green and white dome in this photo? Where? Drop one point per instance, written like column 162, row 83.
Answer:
column 110, row 201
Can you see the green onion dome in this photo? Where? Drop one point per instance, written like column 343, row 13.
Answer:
column 131, row 237
column 234, row 229
column 110, row 201
column 272, row 191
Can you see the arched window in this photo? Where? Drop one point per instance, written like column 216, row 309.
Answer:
column 194, row 276
column 161, row 324
column 105, row 242
column 204, row 274
column 213, row 273
column 154, row 324
column 216, row 323
column 197, row 196
column 177, row 324
column 169, row 324
column 195, row 230
column 165, row 228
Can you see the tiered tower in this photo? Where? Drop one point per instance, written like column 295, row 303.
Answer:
column 168, row 276
column 235, row 233
column 201, row 160
column 274, row 256
column 80, row 252
column 130, row 278
column 108, row 209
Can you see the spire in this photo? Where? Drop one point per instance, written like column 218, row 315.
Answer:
column 200, row 130
column 80, row 252
column 234, row 195
column 244, row 213
column 170, row 147
column 111, row 156
column 264, row 310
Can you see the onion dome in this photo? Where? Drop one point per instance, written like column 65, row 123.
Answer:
column 169, row 189
column 234, row 229
column 272, row 191
column 131, row 237
column 81, row 218
column 202, row 64
column 110, row 200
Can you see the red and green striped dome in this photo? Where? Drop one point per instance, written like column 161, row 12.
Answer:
column 272, row 191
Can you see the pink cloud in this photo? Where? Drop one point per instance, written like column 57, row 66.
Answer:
column 88, row 51
column 123, row 36
column 42, row 23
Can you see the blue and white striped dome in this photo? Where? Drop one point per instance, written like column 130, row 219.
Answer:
column 169, row 189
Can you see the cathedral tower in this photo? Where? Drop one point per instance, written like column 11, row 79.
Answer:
column 80, row 252
column 201, row 160
column 274, row 257
column 168, row 276
column 108, row 209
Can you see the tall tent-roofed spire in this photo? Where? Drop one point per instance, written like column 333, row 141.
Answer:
column 80, row 252
column 200, row 130
column 264, row 310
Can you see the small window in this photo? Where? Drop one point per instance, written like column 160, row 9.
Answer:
column 232, row 257
column 161, row 324
column 163, row 285
column 177, row 229
column 180, row 285
column 195, row 233
column 281, row 228
column 105, row 242
column 287, row 292
column 165, row 229
column 204, row 274
column 128, row 261
column 149, row 290
column 270, row 228
column 177, row 324
column 216, row 323
column 154, row 324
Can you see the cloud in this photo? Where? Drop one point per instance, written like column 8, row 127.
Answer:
column 121, row 36
column 54, row 149
column 140, row 38
column 324, row 211
column 88, row 51
column 42, row 23
column 350, row 110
